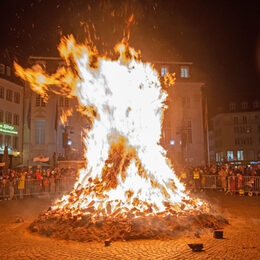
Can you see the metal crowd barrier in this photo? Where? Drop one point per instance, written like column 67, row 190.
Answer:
column 246, row 184
column 36, row 187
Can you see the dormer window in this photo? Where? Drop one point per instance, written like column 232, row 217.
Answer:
column 164, row 71
column 232, row 106
column 184, row 72
column 244, row 105
column 256, row 104
column 2, row 69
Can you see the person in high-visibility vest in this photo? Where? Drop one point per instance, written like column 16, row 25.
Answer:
column 183, row 176
column 196, row 179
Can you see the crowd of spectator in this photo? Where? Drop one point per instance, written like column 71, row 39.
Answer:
column 227, row 178
column 16, row 184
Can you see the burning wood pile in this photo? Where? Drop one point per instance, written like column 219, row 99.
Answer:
column 61, row 224
column 128, row 189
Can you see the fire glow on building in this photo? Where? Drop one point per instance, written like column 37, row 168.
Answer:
column 128, row 188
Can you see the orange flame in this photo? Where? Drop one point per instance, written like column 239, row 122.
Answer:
column 127, row 169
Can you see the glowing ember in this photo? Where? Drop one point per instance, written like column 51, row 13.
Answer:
column 127, row 174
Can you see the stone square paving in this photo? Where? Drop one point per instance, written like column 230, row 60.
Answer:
column 241, row 237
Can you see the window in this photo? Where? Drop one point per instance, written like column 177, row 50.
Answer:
column 8, row 117
column 236, row 129
column 244, row 105
column 240, row 155
column 2, row 69
column 189, row 136
column 8, row 140
column 232, row 106
column 1, row 140
column 164, row 71
column 186, row 101
column 61, row 101
column 16, row 119
column 40, row 131
column 8, row 71
column 15, row 142
column 9, row 95
column 230, row 155
column 39, row 101
column 17, row 97
column 1, row 116
column 256, row 104
column 235, row 120
column 2, row 92
column 66, row 102
column 184, row 72
column 245, row 119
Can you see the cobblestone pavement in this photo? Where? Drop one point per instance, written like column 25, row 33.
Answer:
column 241, row 238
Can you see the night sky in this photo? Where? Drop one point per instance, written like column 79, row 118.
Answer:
column 221, row 38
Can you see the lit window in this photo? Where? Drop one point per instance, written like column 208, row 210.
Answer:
column 163, row 71
column 8, row 117
column 9, row 95
column 16, row 119
column 39, row 101
column 17, row 97
column 216, row 157
column 40, row 131
column 240, row 155
column 184, row 72
column 172, row 142
column 2, row 92
column 230, row 155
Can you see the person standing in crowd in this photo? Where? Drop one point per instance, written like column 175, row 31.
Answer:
column 46, row 184
column 52, row 183
column 21, row 185
column 196, row 179
column 223, row 178
column 11, row 188
column 258, row 170
column 183, row 176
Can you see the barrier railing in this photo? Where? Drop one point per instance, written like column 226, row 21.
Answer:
column 247, row 184
column 36, row 187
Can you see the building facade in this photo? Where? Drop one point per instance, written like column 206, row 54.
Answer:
column 185, row 124
column 237, row 134
column 11, row 115
column 44, row 131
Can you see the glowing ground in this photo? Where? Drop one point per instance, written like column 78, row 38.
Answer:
column 242, row 237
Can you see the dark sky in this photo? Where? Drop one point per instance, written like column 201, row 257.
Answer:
column 221, row 38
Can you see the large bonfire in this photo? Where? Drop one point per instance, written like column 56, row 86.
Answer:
column 128, row 188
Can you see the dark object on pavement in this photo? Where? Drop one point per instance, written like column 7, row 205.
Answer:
column 197, row 235
column 108, row 242
column 218, row 234
column 196, row 247
column 19, row 220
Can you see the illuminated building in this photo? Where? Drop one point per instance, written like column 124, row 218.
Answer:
column 11, row 114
